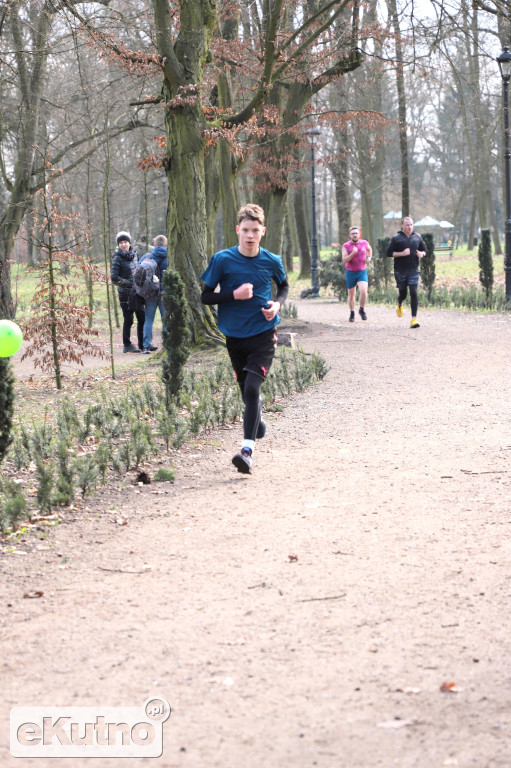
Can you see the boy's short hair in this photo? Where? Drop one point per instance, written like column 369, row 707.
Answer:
column 160, row 240
column 352, row 228
column 253, row 212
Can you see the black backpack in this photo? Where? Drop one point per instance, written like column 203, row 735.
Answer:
column 147, row 283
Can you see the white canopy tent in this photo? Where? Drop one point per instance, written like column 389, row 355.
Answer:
column 427, row 221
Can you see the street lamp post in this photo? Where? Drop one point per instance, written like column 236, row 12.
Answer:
column 314, row 293
column 504, row 62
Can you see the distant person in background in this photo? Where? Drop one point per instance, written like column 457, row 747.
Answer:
column 159, row 255
column 123, row 268
column 406, row 248
column 356, row 254
column 141, row 246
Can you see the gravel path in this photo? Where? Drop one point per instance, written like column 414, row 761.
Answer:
column 309, row 614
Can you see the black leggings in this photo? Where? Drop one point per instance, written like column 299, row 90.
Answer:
column 128, row 322
column 414, row 300
column 250, row 386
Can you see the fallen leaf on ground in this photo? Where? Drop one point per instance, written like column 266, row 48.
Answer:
column 449, row 688
column 36, row 593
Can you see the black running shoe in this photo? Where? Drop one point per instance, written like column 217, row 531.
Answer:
column 362, row 313
column 243, row 461
column 352, row 317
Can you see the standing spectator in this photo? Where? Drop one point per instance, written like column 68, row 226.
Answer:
column 356, row 253
column 407, row 247
column 141, row 246
column 247, row 315
column 159, row 255
column 123, row 269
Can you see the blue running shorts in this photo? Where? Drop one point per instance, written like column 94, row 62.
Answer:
column 352, row 278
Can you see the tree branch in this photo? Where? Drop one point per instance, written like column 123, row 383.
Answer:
column 309, row 40
column 105, row 132
column 172, row 69
column 347, row 64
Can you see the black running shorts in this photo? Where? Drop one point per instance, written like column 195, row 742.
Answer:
column 254, row 354
column 406, row 277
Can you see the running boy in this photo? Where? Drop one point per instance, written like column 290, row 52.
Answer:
column 356, row 253
column 247, row 316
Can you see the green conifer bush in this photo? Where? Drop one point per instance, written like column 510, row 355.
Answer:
column 13, row 504
column 427, row 264
column 64, row 486
column 45, row 485
column 6, row 405
column 486, row 265
column 382, row 264
column 86, row 474
column 177, row 338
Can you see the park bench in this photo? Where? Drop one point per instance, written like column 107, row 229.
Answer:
column 445, row 247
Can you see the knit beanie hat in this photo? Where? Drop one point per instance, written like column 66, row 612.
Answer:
column 123, row 236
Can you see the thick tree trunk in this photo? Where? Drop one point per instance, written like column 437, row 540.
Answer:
column 291, row 223
column 31, row 78
column 187, row 224
column 10, row 223
column 184, row 162
column 212, row 198
column 402, row 122
column 275, row 221
column 339, row 171
column 288, row 246
column 472, row 228
column 228, row 191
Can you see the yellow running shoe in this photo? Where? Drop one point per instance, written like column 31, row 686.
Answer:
column 414, row 323
column 399, row 310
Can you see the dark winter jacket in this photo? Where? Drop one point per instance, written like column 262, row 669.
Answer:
column 123, row 269
column 159, row 255
column 399, row 243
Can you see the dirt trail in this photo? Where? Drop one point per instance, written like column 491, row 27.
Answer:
column 306, row 615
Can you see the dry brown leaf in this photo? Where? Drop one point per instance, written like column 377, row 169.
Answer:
column 449, row 688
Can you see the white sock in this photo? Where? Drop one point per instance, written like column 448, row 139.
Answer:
column 249, row 444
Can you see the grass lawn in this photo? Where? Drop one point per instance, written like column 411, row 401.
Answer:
column 462, row 268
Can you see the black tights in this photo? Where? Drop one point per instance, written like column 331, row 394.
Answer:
column 414, row 300
column 250, row 386
column 128, row 322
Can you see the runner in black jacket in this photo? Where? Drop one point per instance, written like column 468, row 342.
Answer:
column 406, row 248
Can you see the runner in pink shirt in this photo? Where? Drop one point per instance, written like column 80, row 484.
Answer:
column 356, row 254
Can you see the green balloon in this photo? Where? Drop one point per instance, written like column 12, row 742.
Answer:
column 11, row 338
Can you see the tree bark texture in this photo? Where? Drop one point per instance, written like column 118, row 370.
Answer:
column 402, row 122
column 187, row 222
